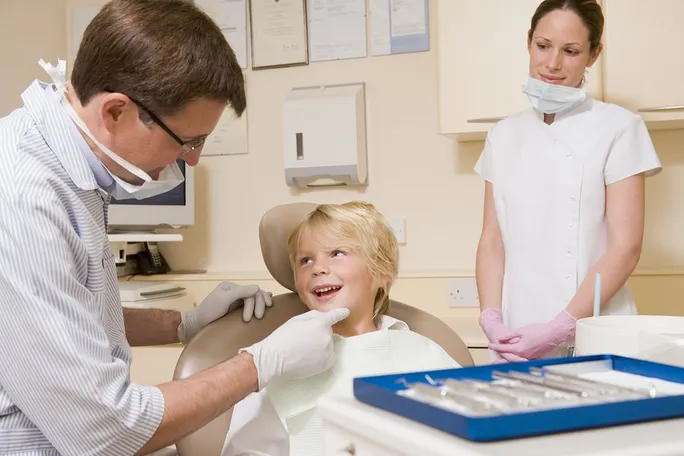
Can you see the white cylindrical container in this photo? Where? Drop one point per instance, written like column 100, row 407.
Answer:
column 657, row 338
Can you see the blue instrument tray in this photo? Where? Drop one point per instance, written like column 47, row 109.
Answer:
column 381, row 391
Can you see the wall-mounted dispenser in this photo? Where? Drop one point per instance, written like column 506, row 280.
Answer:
column 324, row 136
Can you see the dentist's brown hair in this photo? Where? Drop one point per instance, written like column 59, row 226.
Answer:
column 163, row 53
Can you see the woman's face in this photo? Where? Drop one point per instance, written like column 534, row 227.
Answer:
column 560, row 49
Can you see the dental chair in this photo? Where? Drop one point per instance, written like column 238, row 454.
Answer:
column 222, row 339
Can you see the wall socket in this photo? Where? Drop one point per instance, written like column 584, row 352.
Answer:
column 463, row 293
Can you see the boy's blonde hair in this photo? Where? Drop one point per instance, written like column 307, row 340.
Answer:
column 358, row 226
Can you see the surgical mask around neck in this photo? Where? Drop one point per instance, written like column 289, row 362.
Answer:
column 552, row 98
column 169, row 178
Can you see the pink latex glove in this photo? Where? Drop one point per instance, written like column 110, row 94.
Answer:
column 509, row 357
column 538, row 339
column 499, row 361
column 491, row 322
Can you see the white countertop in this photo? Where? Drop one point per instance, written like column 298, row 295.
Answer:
column 406, row 437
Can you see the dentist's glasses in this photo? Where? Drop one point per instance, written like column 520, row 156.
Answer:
column 186, row 146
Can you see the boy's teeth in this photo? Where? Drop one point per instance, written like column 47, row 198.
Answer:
column 326, row 289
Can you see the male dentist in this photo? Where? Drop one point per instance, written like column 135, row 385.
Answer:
column 150, row 82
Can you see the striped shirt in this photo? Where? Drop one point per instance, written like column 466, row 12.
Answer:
column 65, row 385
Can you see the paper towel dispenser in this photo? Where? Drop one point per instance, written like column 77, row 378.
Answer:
column 324, row 136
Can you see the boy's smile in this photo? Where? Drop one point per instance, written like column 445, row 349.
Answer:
column 330, row 277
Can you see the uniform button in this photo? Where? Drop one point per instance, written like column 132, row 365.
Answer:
column 572, row 197
column 570, row 225
column 567, row 277
column 568, row 153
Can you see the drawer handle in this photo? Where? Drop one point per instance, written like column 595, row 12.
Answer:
column 349, row 449
column 485, row 120
column 662, row 108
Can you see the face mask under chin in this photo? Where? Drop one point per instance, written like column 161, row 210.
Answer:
column 552, row 98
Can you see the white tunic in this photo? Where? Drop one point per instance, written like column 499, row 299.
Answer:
column 549, row 185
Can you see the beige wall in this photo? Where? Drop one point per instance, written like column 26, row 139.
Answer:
column 414, row 172
column 29, row 30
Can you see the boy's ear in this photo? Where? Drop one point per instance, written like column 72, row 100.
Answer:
column 384, row 282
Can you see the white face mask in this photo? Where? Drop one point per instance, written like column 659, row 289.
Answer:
column 169, row 178
column 552, row 98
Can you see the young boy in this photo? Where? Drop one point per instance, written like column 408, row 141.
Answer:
column 342, row 256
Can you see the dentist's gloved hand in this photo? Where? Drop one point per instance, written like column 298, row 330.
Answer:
column 491, row 322
column 300, row 348
column 538, row 339
column 225, row 298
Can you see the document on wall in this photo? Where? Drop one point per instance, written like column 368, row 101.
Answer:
column 399, row 26
column 278, row 33
column 231, row 17
column 229, row 137
column 337, row 29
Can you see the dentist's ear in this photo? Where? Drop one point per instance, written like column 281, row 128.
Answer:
column 112, row 107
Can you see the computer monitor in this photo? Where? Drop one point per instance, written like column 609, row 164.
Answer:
column 175, row 208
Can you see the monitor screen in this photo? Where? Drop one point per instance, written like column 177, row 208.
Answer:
column 175, row 197
column 174, row 208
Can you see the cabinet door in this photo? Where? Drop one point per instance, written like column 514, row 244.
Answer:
column 483, row 63
column 480, row 356
column 155, row 365
column 643, row 59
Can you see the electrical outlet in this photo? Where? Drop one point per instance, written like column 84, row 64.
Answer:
column 463, row 293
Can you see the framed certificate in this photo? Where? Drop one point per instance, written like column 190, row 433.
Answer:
column 279, row 33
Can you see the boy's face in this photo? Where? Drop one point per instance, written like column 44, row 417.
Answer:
column 329, row 278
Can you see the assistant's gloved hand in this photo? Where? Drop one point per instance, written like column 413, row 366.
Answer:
column 225, row 298
column 538, row 339
column 491, row 322
column 300, row 348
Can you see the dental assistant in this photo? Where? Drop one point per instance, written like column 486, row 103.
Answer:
column 149, row 83
column 564, row 195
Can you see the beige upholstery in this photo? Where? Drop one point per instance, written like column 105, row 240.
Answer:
column 222, row 339
column 274, row 229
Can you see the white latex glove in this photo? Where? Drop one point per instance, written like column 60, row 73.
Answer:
column 225, row 298
column 300, row 348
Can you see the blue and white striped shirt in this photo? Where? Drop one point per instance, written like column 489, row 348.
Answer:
column 65, row 384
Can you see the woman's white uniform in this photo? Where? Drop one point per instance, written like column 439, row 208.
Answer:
column 549, row 185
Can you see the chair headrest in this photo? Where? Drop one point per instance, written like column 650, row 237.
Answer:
column 274, row 229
